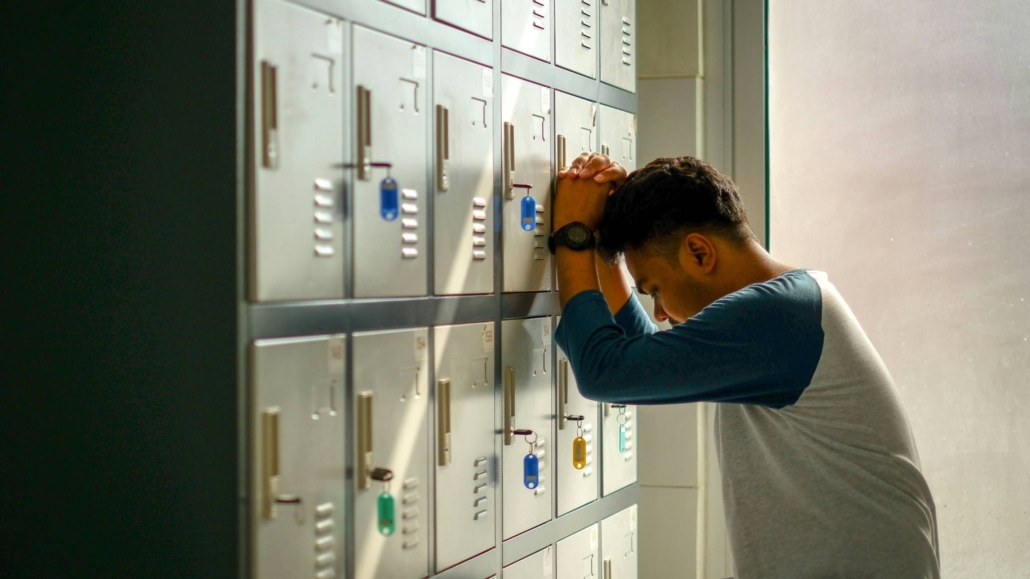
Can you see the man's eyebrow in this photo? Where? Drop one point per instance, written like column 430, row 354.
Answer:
column 640, row 286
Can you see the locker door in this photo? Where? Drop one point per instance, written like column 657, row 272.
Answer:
column 297, row 460
column 619, row 545
column 464, row 176
column 296, row 219
column 620, row 461
column 619, row 136
column 618, row 43
column 466, row 466
column 390, row 127
column 526, row 360
column 575, row 487
column 576, row 36
column 575, row 127
column 539, row 565
column 416, row 6
column 578, row 556
column 526, row 27
column 527, row 161
column 475, row 16
column 391, row 394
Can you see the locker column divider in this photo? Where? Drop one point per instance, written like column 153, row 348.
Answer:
column 498, row 209
column 244, row 179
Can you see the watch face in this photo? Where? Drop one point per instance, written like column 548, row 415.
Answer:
column 577, row 235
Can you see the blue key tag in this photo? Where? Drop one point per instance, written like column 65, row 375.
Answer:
column 622, row 419
column 531, row 471
column 389, row 203
column 528, row 213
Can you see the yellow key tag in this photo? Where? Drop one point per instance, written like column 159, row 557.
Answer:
column 579, row 453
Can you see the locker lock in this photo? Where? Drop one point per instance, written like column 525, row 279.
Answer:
column 389, row 198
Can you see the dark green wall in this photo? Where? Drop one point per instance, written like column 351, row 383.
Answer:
column 119, row 368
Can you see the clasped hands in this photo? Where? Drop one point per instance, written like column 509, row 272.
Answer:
column 583, row 189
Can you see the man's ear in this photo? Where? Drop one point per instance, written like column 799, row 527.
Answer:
column 697, row 253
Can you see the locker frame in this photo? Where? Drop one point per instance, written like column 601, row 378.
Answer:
column 349, row 315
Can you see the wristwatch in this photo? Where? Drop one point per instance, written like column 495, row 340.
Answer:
column 575, row 236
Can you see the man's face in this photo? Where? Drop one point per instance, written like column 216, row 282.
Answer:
column 679, row 293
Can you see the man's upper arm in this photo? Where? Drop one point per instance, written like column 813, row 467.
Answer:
column 633, row 319
column 752, row 347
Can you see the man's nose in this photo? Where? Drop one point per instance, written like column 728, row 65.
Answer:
column 659, row 313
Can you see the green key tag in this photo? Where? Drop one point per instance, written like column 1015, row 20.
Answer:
column 386, row 510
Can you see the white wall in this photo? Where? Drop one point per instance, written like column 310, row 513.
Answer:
column 900, row 163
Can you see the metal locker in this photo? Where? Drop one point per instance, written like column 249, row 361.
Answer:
column 475, row 16
column 539, row 565
column 618, row 447
column 466, row 465
column 619, row 136
column 575, row 127
column 618, row 43
column 416, row 6
column 526, row 172
column 577, row 36
column 578, row 556
column 391, row 394
column 619, row 545
column 576, row 481
column 389, row 168
column 526, row 361
column 526, row 27
column 463, row 171
column 296, row 217
column 297, row 457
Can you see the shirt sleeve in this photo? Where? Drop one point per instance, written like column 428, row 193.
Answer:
column 633, row 319
column 759, row 345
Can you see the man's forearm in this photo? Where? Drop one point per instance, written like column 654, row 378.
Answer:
column 614, row 286
column 576, row 273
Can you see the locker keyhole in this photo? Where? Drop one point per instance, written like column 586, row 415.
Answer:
column 543, row 361
column 480, row 372
column 477, row 112
column 409, row 95
column 538, row 127
column 407, row 385
column 324, row 398
column 322, row 70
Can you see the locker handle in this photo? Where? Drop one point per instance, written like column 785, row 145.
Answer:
column 607, row 568
column 561, row 152
column 270, row 464
column 364, row 126
column 365, row 465
column 269, row 116
column 604, row 150
column 563, row 391
column 509, row 160
column 443, row 419
column 509, row 403
column 443, row 147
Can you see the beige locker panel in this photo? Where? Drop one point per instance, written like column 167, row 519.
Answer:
column 475, row 16
column 619, row 545
column 390, row 123
column 416, row 6
column 575, row 486
column 463, row 169
column 296, row 217
column 526, row 27
column 391, row 395
column 576, row 36
column 466, row 466
column 297, row 460
column 578, row 555
column 575, row 127
column 539, row 565
column 619, row 466
column 527, row 375
column 618, row 44
column 619, row 136
column 526, row 113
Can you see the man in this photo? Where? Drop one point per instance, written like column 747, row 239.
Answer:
column 821, row 476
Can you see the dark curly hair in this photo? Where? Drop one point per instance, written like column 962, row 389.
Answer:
column 667, row 199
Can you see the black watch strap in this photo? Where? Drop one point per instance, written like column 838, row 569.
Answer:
column 575, row 235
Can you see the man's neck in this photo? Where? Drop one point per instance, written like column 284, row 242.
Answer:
column 752, row 264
